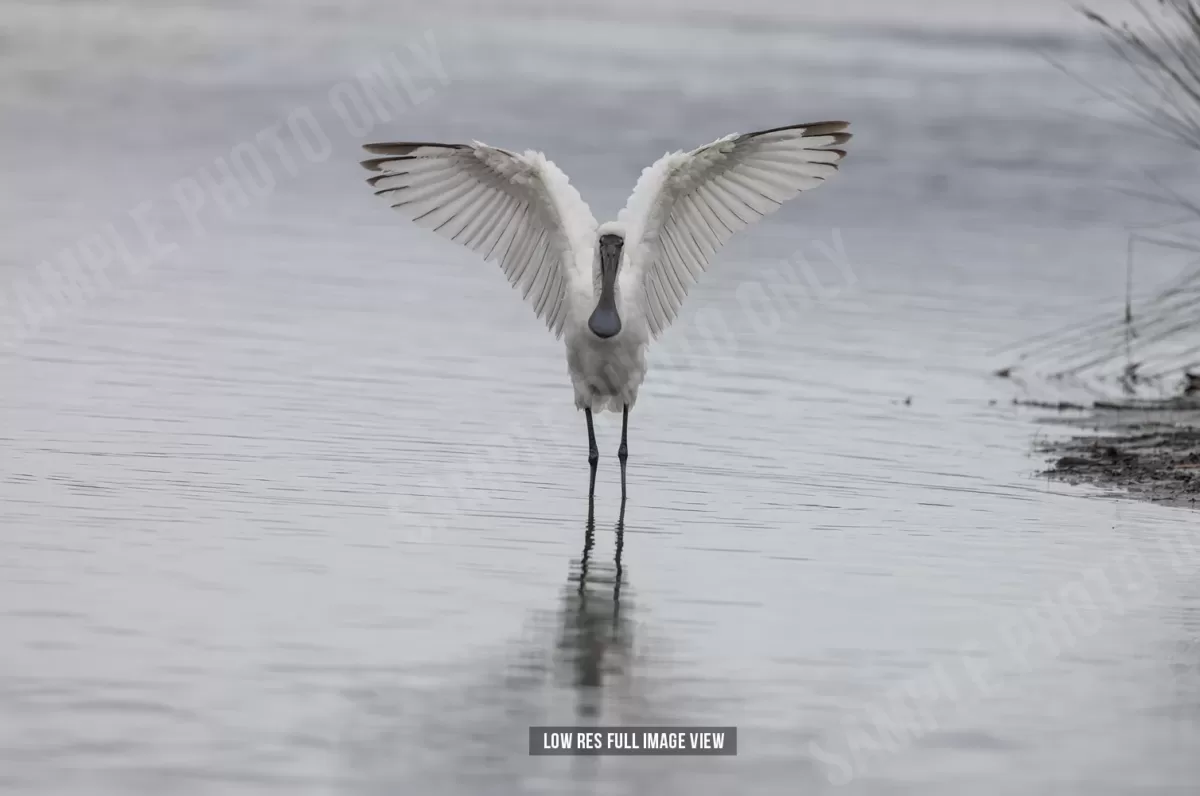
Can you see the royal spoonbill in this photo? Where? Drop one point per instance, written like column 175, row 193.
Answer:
column 608, row 288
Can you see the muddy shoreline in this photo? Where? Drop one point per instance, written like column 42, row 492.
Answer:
column 1151, row 451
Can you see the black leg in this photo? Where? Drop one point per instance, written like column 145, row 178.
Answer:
column 623, row 451
column 593, row 452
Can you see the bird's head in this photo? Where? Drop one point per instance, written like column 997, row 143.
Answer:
column 610, row 243
column 610, row 239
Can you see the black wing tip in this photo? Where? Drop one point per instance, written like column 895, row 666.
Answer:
column 404, row 147
column 401, row 150
column 825, row 128
column 809, row 129
column 390, row 173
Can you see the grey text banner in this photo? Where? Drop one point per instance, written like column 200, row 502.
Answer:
column 683, row 741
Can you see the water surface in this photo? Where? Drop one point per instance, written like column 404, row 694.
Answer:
column 282, row 512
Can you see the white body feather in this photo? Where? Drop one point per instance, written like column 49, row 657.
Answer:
column 520, row 209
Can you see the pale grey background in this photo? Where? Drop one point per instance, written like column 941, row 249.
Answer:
column 247, row 545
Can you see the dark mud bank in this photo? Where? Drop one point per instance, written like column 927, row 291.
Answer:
column 1151, row 451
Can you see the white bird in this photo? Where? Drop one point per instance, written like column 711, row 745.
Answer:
column 609, row 288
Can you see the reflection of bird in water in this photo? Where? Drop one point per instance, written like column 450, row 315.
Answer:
column 595, row 639
column 576, row 665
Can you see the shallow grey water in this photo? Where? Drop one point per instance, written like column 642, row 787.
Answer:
column 284, row 512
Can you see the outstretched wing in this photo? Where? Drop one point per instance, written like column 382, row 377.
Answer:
column 687, row 204
column 519, row 209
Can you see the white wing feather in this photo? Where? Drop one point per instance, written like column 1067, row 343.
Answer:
column 688, row 204
column 519, row 209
